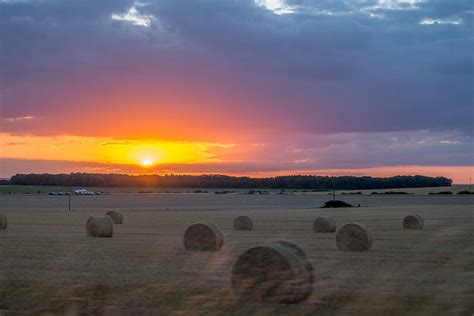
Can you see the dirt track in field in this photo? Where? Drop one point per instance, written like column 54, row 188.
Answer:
column 49, row 266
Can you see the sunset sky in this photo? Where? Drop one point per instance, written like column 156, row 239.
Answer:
column 248, row 87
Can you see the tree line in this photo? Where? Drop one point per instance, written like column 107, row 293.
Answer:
column 229, row 182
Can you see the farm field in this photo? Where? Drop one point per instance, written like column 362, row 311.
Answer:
column 49, row 266
column 44, row 190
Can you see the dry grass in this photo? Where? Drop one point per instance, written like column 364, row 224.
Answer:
column 278, row 272
column 100, row 226
column 48, row 265
column 354, row 237
column 243, row 223
column 116, row 217
column 413, row 222
column 203, row 237
column 324, row 224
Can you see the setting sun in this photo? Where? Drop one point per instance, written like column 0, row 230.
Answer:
column 147, row 162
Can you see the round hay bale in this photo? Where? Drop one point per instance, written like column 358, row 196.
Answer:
column 353, row 237
column 116, row 217
column 99, row 227
column 278, row 272
column 413, row 222
column 324, row 225
column 3, row 221
column 243, row 223
column 203, row 237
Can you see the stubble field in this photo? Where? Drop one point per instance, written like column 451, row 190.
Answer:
column 49, row 266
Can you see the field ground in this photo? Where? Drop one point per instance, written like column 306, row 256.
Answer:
column 44, row 189
column 49, row 266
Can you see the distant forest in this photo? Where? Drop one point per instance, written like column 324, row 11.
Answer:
column 228, row 182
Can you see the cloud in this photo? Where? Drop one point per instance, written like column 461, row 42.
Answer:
column 289, row 152
column 134, row 17
column 293, row 83
column 17, row 119
column 440, row 21
column 296, row 72
column 360, row 150
column 276, row 6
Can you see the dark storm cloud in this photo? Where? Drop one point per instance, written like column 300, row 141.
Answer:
column 358, row 72
column 330, row 66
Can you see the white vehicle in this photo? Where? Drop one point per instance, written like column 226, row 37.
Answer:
column 84, row 192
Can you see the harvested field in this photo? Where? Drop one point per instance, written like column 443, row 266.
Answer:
column 48, row 265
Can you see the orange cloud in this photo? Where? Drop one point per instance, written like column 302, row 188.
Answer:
column 27, row 153
column 106, row 149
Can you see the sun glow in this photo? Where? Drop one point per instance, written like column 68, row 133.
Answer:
column 109, row 151
column 147, row 162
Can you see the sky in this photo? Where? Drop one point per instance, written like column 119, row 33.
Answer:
column 248, row 87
